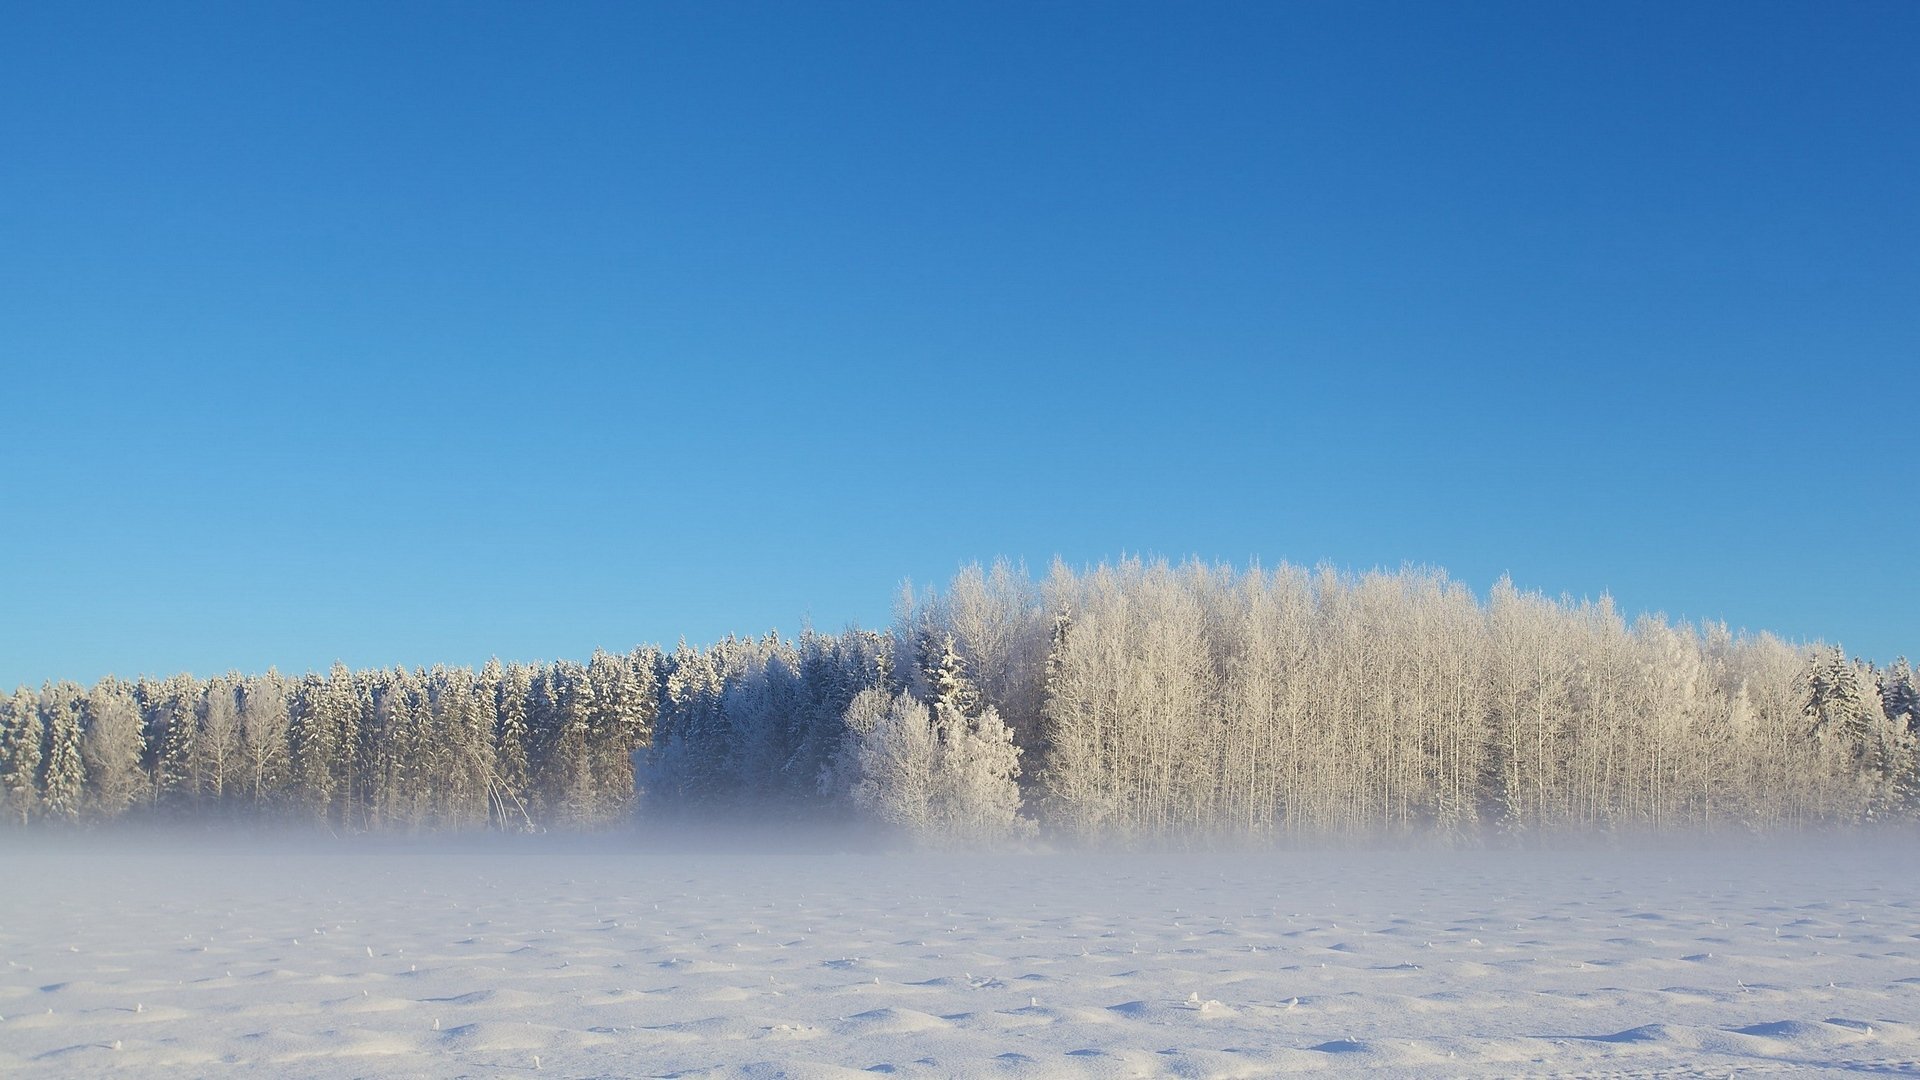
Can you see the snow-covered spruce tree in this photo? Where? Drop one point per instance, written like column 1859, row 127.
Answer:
column 1002, row 630
column 625, row 701
column 943, row 770
column 397, row 755
column 462, row 727
column 172, row 708
column 1842, row 706
column 22, row 742
column 324, row 715
column 110, row 747
column 357, row 766
column 62, row 770
column 759, row 710
column 559, row 716
column 687, row 760
column 975, row 798
column 318, row 715
column 834, row 669
column 512, row 796
column 1900, row 695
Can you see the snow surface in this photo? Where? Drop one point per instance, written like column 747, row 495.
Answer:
column 608, row 959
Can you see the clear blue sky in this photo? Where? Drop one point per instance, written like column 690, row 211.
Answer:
column 405, row 333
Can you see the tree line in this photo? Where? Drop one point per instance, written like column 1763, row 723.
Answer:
column 509, row 746
column 1131, row 699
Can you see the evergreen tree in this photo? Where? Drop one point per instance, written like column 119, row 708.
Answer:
column 62, row 769
column 399, row 755
column 22, row 742
column 946, row 677
column 1841, row 705
column 688, row 760
column 943, row 770
column 172, row 724
column 349, row 710
column 561, row 713
column 512, row 795
column 313, row 742
column 1900, row 695
column 622, row 703
column 463, row 729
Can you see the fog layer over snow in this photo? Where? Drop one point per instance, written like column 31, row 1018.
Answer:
column 608, row 958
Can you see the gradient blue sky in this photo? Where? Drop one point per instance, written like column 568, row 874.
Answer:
column 404, row 333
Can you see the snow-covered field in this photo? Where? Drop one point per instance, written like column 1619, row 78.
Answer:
column 610, row 959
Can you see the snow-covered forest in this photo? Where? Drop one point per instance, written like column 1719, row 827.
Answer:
column 1134, row 700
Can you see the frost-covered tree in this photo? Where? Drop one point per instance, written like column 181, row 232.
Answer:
column 62, row 769
column 976, row 764
column 1002, row 629
column 513, row 789
column 324, row 726
column 688, row 760
column 111, row 747
column 560, row 715
column 942, row 770
column 1139, row 698
column 1842, row 706
column 623, row 706
column 22, row 742
column 462, row 718
column 216, row 750
column 399, row 756
column 840, row 775
column 1900, row 695
column 974, row 795
column 264, row 724
column 172, row 714
column 896, row 762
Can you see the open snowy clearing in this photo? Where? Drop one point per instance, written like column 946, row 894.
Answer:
column 605, row 959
